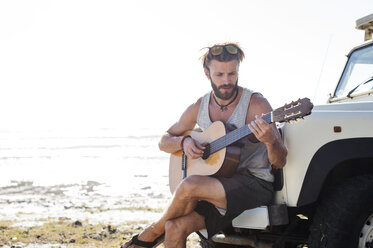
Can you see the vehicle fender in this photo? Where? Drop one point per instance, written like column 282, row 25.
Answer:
column 326, row 159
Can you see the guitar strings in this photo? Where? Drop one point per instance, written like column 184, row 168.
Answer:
column 234, row 136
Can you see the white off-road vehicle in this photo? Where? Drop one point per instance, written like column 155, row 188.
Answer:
column 324, row 194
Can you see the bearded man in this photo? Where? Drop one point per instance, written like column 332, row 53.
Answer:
column 211, row 202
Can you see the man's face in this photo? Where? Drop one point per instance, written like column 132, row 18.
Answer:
column 223, row 77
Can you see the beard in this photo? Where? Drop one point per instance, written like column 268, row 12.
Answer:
column 227, row 95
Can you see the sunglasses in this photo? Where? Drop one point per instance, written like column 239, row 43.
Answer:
column 217, row 50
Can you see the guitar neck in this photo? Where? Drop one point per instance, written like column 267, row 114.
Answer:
column 235, row 135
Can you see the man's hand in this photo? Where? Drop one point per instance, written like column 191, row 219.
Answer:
column 192, row 148
column 262, row 131
column 267, row 134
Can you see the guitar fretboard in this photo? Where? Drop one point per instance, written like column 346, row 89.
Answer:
column 234, row 136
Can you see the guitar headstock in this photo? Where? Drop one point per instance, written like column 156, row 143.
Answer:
column 293, row 110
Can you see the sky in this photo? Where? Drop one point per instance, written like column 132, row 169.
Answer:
column 126, row 64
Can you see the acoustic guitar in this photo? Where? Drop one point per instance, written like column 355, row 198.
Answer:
column 221, row 157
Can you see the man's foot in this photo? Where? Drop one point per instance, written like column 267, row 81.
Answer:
column 145, row 239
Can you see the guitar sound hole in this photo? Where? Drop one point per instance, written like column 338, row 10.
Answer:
column 206, row 153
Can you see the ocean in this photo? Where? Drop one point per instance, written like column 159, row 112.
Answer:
column 109, row 175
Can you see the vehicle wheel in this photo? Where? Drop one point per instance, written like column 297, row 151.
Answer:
column 207, row 243
column 344, row 217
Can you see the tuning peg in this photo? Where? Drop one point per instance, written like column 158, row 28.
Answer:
column 297, row 120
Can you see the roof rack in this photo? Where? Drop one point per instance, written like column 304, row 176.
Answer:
column 366, row 23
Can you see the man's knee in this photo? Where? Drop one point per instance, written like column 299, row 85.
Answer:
column 188, row 188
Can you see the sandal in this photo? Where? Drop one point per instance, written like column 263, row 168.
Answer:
column 155, row 243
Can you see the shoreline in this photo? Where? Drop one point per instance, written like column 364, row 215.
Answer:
column 24, row 202
column 48, row 216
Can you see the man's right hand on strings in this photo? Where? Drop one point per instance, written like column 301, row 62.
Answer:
column 192, row 148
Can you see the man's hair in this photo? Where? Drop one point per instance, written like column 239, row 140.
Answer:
column 224, row 56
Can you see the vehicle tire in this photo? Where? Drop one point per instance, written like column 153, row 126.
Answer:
column 344, row 217
column 207, row 243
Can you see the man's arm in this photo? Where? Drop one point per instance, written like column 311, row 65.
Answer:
column 266, row 133
column 170, row 141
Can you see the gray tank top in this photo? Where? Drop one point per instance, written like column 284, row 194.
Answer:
column 254, row 156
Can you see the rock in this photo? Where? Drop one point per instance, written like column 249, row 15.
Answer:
column 111, row 230
column 96, row 236
column 77, row 223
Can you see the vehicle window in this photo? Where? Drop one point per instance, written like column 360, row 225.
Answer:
column 358, row 73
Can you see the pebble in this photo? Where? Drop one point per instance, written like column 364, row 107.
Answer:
column 77, row 223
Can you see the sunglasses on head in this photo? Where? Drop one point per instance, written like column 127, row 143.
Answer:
column 217, row 50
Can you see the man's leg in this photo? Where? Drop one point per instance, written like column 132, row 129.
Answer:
column 183, row 202
column 177, row 230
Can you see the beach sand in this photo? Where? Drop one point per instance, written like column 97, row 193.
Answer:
column 51, row 216
column 51, row 179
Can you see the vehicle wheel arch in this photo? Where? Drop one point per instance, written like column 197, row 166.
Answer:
column 333, row 163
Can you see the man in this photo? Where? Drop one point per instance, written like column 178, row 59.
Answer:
column 213, row 202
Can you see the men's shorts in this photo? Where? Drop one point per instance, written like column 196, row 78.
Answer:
column 243, row 191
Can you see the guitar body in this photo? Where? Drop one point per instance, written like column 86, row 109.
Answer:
column 221, row 156
column 222, row 163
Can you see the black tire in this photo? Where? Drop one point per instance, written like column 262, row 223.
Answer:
column 344, row 215
column 207, row 243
